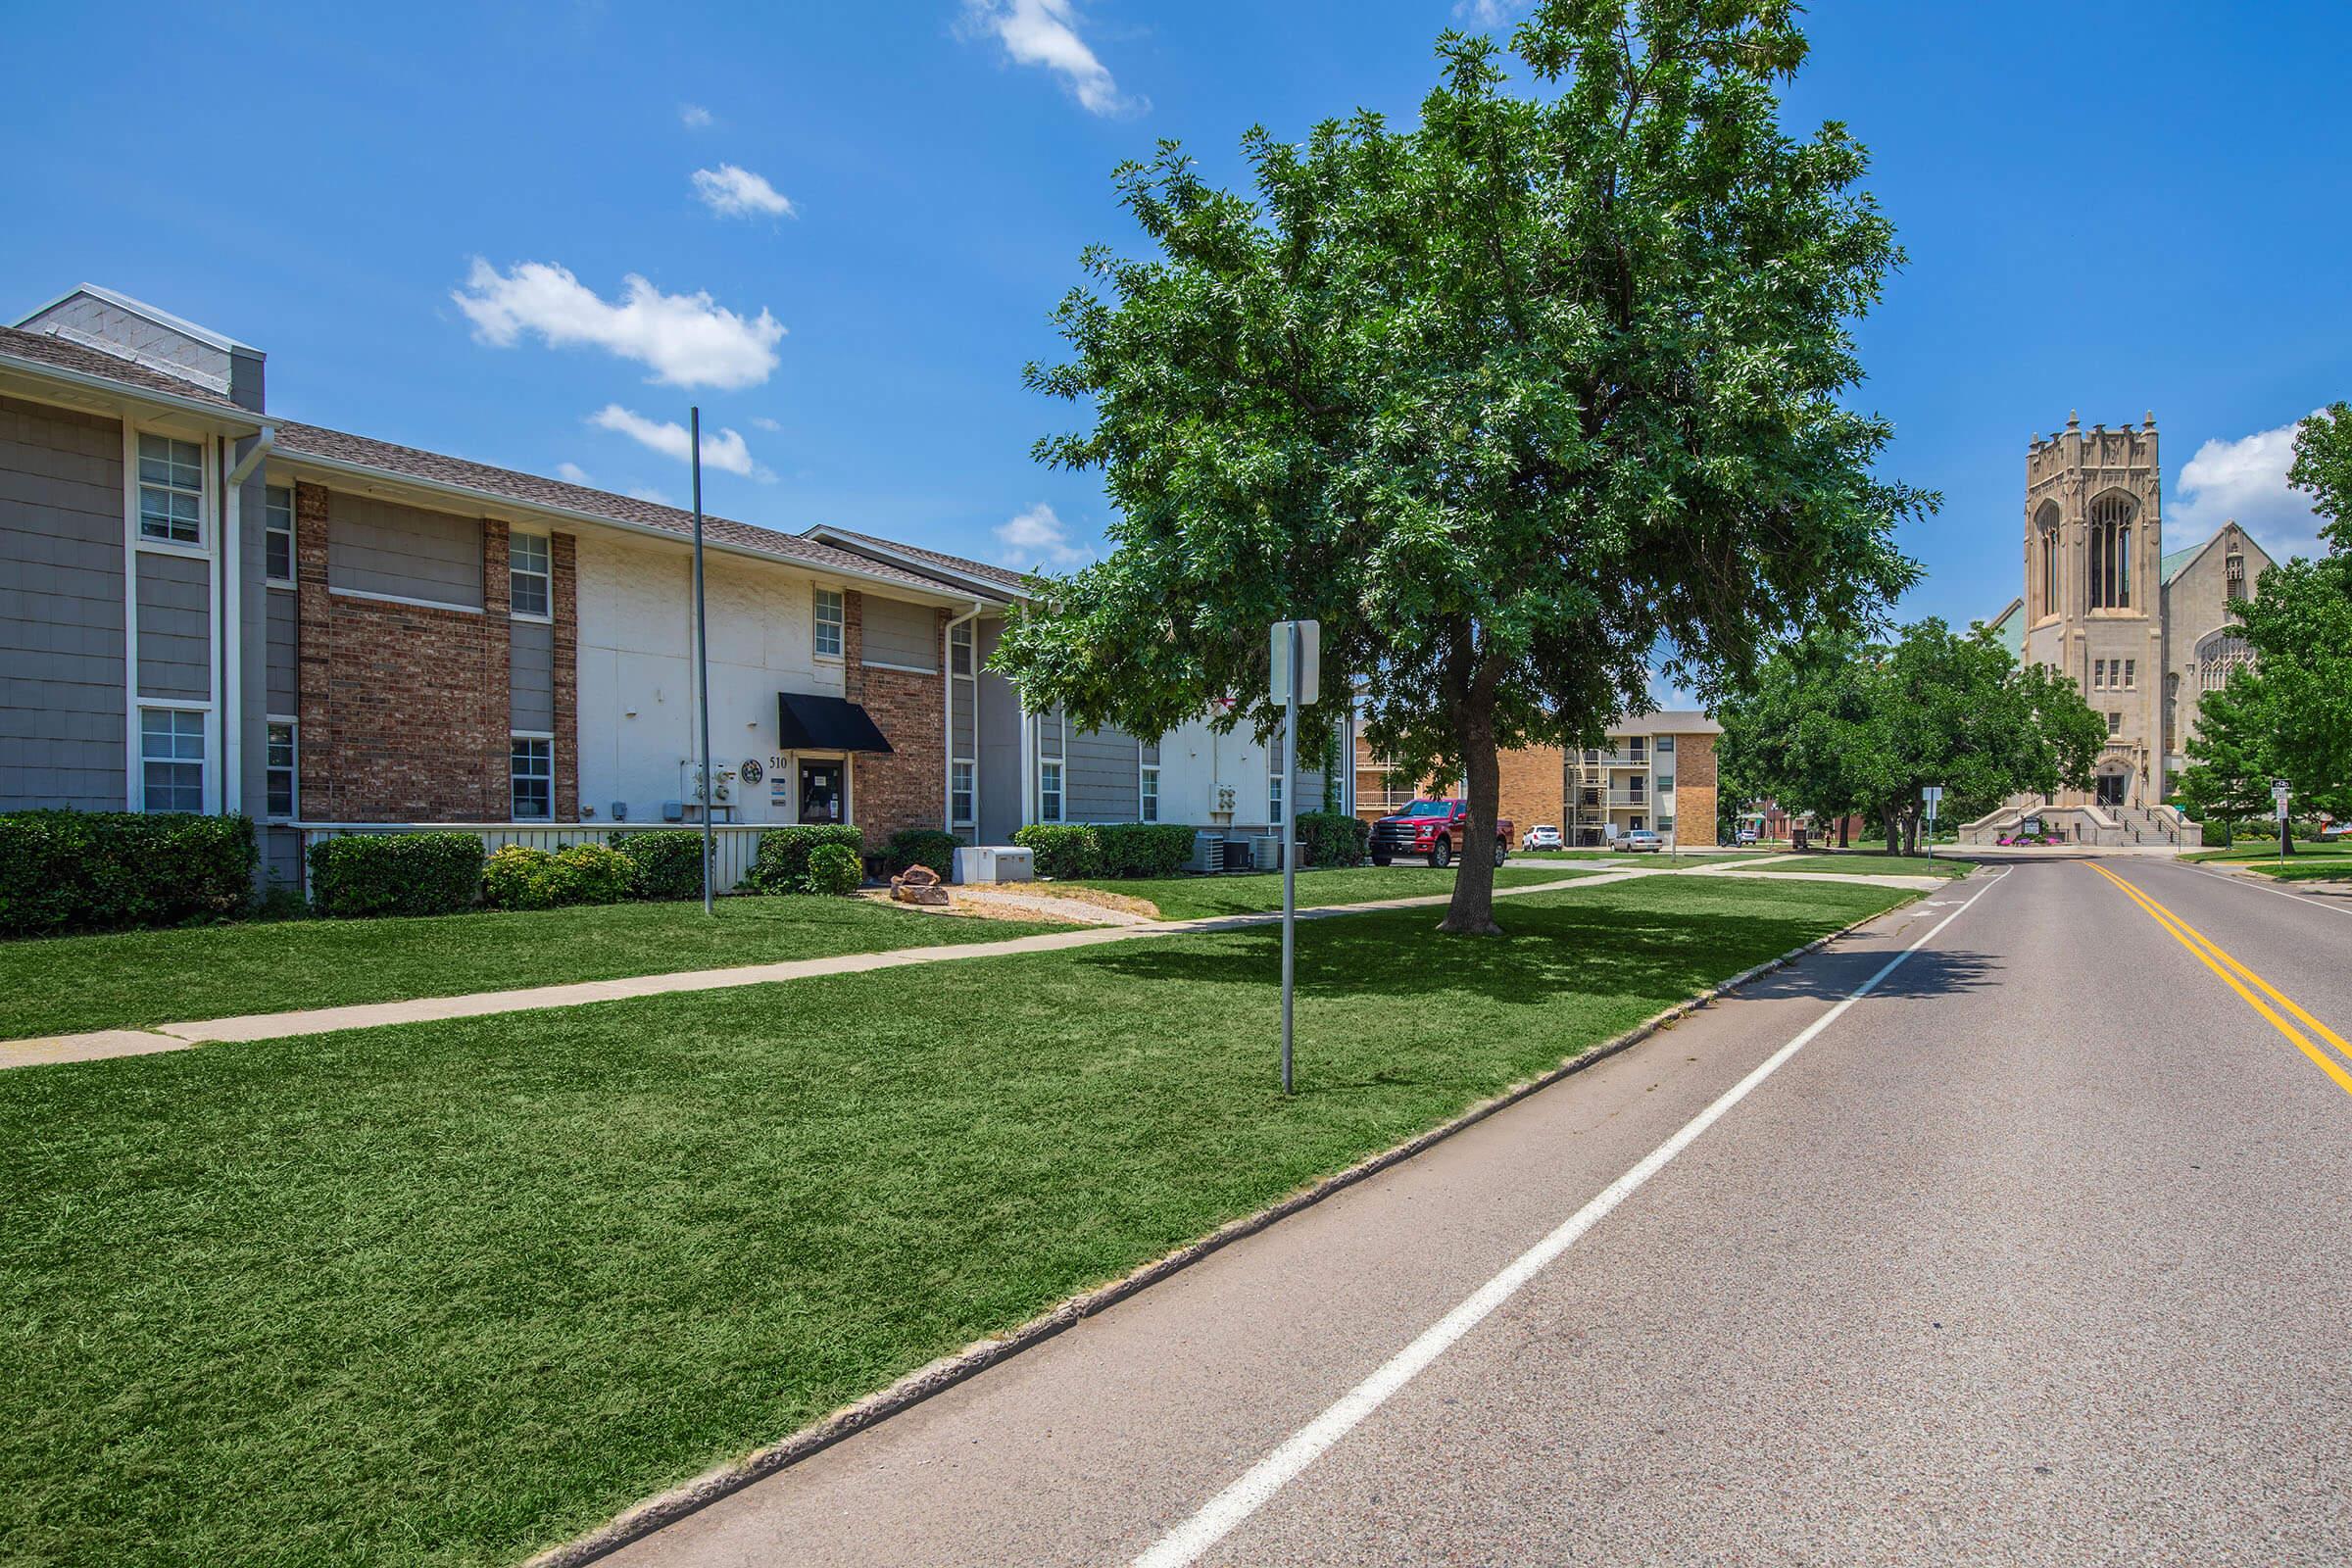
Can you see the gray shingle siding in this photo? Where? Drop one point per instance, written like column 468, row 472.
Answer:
column 60, row 609
column 381, row 547
column 531, row 672
column 175, row 627
column 1101, row 776
column 900, row 633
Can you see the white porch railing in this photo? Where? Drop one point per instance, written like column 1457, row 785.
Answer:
column 735, row 844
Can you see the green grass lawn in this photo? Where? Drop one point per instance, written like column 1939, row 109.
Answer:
column 1195, row 898
column 60, row 985
column 444, row 1294
column 1626, row 859
column 1864, row 863
column 2262, row 855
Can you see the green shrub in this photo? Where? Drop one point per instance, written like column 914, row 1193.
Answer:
column 1332, row 838
column 586, row 873
column 512, row 878
column 664, row 863
column 2216, row 834
column 1143, row 849
column 1062, row 849
column 109, row 870
column 834, row 870
column 782, row 863
column 395, row 873
column 921, row 846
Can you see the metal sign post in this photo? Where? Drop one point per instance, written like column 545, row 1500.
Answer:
column 2278, row 795
column 1295, row 657
column 701, row 652
column 1933, row 794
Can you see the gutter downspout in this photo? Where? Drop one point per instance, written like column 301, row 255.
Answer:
column 230, row 636
column 971, row 619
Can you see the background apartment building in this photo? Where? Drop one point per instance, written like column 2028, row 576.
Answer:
column 1655, row 772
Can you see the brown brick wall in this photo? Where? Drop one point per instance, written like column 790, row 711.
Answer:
column 1695, row 781
column 907, row 787
column 405, row 709
column 1532, row 780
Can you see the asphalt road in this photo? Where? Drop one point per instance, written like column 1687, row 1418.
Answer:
column 2038, row 1253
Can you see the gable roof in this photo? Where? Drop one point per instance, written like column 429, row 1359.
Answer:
column 339, row 449
column 2009, row 628
column 46, row 351
column 999, row 582
column 2177, row 561
column 162, row 318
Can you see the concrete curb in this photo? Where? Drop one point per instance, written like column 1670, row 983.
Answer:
column 916, row 1386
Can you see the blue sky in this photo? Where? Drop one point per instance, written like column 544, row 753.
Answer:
column 2111, row 209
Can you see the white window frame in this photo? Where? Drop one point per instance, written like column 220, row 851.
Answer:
column 293, row 727
column 960, row 641
column 535, row 736
column 963, row 792
column 136, row 486
column 1049, row 790
column 819, row 622
column 2131, row 675
column 271, row 530
column 546, row 578
column 1147, row 793
column 1275, row 791
column 204, row 736
column 2115, row 723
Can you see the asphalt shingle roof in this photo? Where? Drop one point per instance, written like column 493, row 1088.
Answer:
column 47, row 348
column 1016, row 582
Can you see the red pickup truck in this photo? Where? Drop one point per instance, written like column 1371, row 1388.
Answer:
column 1431, row 828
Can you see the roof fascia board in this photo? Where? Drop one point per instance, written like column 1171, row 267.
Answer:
column 487, row 502
column 1002, row 592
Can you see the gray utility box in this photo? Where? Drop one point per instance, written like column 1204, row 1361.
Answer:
column 985, row 864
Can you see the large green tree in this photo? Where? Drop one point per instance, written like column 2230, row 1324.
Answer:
column 1836, row 726
column 2289, row 715
column 1513, row 401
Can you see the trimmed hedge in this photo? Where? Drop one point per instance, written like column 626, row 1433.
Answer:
column 395, row 873
column 112, row 870
column 921, row 846
column 586, row 873
column 782, row 863
column 1143, row 849
column 1332, row 838
column 510, row 877
column 835, row 870
column 1065, row 850
column 664, row 863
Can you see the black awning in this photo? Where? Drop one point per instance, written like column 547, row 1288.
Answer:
column 825, row 724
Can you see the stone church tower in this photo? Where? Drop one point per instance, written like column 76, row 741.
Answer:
column 2095, row 592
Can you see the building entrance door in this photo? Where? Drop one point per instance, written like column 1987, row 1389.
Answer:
column 2111, row 789
column 821, row 797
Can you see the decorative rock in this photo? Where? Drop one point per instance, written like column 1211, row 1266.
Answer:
column 919, row 884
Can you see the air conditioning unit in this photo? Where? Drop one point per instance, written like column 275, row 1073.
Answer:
column 1208, row 854
column 1266, row 851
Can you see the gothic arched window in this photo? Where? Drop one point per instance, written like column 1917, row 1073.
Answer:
column 2111, row 552
column 2045, row 540
column 2218, row 655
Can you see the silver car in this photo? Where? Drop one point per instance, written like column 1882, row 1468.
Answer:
column 1542, row 836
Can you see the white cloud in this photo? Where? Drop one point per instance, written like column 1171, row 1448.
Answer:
column 734, row 192
column 2244, row 479
column 686, row 339
column 765, row 424
column 694, row 116
column 1045, row 33
column 724, row 451
column 1036, row 538
column 571, row 473
column 1488, row 12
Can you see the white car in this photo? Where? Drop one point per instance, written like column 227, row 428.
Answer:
column 1542, row 836
column 1639, row 841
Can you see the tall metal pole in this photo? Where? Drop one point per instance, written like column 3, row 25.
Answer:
column 702, row 654
column 1289, row 848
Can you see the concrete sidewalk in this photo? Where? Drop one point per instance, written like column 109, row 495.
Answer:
column 104, row 1043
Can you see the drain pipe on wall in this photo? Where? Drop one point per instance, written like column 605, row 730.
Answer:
column 230, row 637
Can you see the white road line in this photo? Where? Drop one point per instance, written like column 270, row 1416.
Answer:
column 1228, row 1508
column 2265, row 887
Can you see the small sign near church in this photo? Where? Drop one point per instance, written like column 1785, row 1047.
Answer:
column 2278, row 793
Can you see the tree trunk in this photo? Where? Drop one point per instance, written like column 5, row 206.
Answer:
column 1845, row 827
column 1472, row 912
column 1911, row 831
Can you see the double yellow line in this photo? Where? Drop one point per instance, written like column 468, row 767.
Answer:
column 2240, row 979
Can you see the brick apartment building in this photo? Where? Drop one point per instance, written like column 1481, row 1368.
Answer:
column 1655, row 772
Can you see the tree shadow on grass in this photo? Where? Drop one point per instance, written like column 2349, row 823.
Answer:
column 1562, row 949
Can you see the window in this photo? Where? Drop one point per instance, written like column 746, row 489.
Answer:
column 528, row 574
column 2234, row 570
column 277, row 533
column 2046, row 522
column 2220, row 654
column 1273, row 797
column 960, row 649
column 2111, row 552
column 280, row 770
column 959, row 794
column 2098, row 675
column 2131, row 675
column 1147, row 806
column 1665, row 785
column 171, row 758
column 1665, row 745
column 532, row 777
column 1048, row 792
column 171, row 490
column 828, row 624
column 2115, row 723
column 1665, row 824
